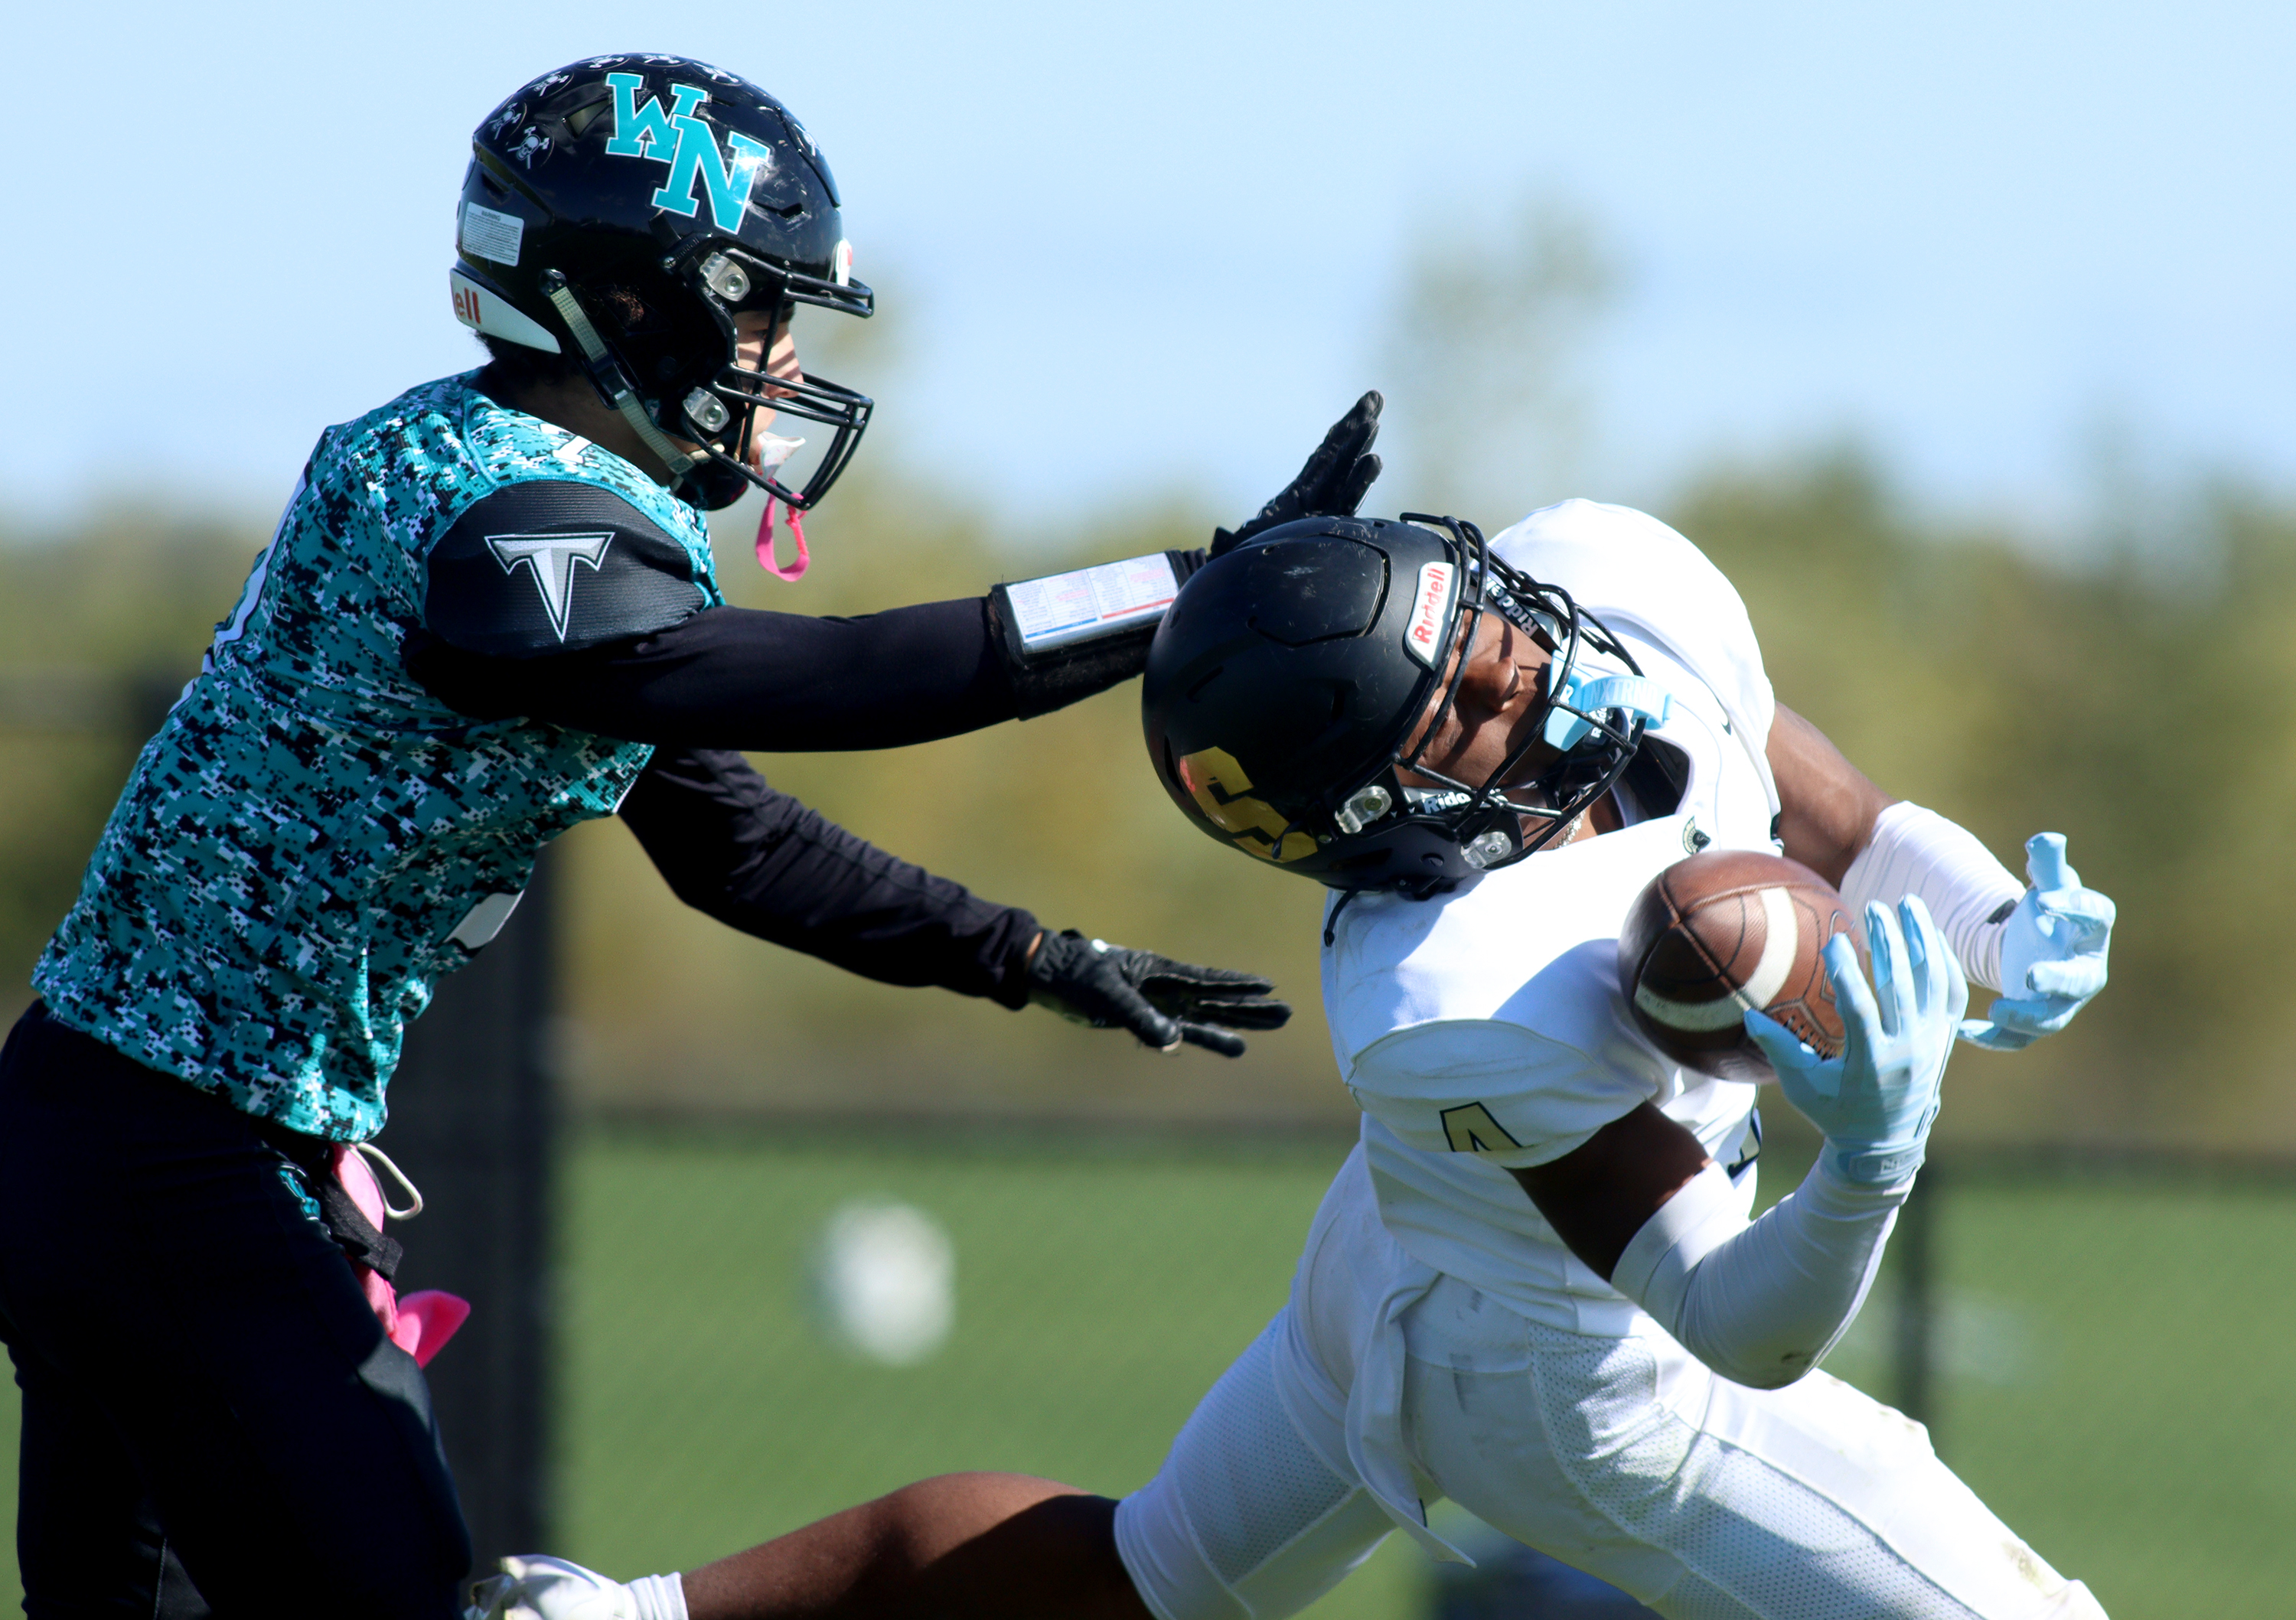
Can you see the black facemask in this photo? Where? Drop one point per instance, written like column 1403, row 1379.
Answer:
column 713, row 486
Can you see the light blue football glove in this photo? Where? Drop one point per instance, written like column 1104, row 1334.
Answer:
column 2052, row 952
column 1875, row 1102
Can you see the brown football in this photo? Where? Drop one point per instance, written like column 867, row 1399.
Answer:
column 1721, row 932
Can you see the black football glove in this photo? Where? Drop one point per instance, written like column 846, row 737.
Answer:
column 1333, row 483
column 1163, row 1001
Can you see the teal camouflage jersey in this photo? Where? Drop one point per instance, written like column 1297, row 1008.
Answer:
column 312, row 839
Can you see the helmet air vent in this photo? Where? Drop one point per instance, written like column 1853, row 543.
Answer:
column 1313, row 589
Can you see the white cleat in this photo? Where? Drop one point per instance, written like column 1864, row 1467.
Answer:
column 537, row 1588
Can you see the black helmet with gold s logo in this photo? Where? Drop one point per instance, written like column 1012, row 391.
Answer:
column 1290, row 673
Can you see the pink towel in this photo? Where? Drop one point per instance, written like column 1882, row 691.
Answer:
column 422, row 1323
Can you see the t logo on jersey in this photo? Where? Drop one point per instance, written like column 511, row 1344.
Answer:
column 552, row 559
column 685, row 143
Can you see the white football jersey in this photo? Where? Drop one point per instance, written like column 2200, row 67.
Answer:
column 1484, row 1030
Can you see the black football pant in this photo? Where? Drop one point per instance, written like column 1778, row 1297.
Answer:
column 214, row 1423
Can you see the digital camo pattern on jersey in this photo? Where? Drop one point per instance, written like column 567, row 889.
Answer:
column 312, row 838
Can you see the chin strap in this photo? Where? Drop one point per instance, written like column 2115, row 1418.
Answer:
column 602, row 365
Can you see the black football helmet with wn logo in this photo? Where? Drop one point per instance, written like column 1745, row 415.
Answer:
column 622, row 210
column 1291, row 674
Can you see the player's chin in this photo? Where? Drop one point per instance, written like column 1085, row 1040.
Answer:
column 1528, row 726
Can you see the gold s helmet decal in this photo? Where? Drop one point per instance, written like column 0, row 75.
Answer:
column 1223, row 792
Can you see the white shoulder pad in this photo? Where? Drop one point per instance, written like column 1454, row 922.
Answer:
column 1631, row 571
column 1509, row 1095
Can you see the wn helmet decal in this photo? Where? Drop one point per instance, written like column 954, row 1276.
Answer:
column 682, row 142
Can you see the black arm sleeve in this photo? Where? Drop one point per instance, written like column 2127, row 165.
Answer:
column 759, row 860
column 561, row 601
column 738, row 678
column 1041, row 685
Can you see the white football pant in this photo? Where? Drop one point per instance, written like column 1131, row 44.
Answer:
column 1625, row 1457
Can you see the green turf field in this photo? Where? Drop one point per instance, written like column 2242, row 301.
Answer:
column 2114, row 1347
column 2123, row 1394
column 1100, row 1292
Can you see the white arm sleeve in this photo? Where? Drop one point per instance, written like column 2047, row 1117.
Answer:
column 1759, row 1302
column 1915, row 851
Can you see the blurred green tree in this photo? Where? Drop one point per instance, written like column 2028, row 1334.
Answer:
column 1487, row 406
column 2137, row 700
column 101, row 623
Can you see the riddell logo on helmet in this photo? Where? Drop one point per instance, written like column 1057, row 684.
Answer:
column 496, row 316
column 685, row 143
column 1423, row 637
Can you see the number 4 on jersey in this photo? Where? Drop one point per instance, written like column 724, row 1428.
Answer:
column 1472, row 1129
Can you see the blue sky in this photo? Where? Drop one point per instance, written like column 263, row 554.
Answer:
column 1129, row 253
